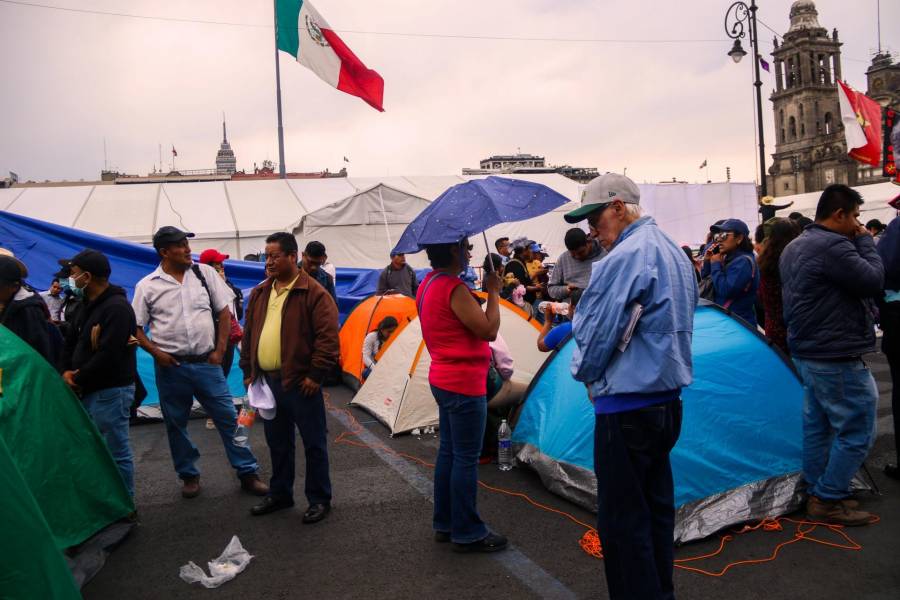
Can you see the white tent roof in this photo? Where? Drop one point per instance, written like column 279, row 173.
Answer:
column 875, row 196
column 236, row 216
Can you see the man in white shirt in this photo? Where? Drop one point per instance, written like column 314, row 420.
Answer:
column 186, row 308
column 54, row 300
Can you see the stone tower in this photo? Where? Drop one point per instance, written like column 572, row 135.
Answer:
column 810, row 150
column 225, row 161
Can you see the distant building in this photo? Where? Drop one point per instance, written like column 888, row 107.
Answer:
column 883, row 80
column 267, row 171
column 225, row 161
column 529, row 163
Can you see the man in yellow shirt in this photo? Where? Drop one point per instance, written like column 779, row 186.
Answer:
column 291, row 340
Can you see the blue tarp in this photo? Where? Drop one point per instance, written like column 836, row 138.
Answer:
column 40, row 244
column 742, row 414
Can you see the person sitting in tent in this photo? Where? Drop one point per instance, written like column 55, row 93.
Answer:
column 373, row 342
column 24, row 313
column 551, row 337
column 456, row 332
column 517, row 268
column 100, row 356
column 767, row 207
column 504, row 396
column 312, row 260
column 572, row 270
column 398, row 277
column 733, row 270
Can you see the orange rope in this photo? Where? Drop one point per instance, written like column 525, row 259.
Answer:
column 590, row 541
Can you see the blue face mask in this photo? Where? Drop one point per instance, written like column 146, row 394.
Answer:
column 73, row 287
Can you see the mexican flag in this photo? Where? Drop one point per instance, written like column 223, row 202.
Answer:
column 305, row 35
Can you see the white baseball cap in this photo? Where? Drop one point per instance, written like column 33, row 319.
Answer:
column 603, row 190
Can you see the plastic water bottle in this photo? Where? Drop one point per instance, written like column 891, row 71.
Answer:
column 245, row 421
column 504, row 447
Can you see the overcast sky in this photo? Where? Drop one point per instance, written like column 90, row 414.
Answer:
column 71, row 79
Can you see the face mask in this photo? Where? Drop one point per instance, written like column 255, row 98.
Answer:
column 73, row 286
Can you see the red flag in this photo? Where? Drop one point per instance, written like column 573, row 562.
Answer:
column 891, row 135
column 861, row 117
column 173, row 151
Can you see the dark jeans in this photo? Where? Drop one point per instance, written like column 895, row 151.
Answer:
column 456, row 471
column 636, row 499
column 307, row 414
column 890, row 347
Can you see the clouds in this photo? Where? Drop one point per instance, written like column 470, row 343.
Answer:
column 658, row 109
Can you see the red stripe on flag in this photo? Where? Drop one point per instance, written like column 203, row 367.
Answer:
column 355, row 78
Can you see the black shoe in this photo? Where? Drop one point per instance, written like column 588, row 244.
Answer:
column 892, row 471
column 492, row 543
column 270, row 504
column 441, row 537
column 316, row 512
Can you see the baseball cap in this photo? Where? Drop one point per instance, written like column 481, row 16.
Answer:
column 714, row 226
column 734, row 225
column 90, row 261
column 10, row 271
column 603, row 190
column 211, row 255
column 169, row 235
column 521, row 243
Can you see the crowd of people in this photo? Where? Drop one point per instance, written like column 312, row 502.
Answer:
column 623, row 290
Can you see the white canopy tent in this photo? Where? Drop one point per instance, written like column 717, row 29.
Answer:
column 236, row 216
column 875, row 199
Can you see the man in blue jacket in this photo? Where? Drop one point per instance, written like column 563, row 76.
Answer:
column 633, row 331
column 889, row 308
column 830, row 276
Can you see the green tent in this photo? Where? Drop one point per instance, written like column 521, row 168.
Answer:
column 60, row 483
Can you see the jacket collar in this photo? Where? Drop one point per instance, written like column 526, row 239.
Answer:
column 629, row 231
column 301, row 283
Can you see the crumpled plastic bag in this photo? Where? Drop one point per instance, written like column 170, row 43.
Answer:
column 224, row 568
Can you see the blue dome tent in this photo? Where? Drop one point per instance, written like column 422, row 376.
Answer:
column 739, row 454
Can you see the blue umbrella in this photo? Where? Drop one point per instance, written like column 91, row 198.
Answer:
column 475, row 206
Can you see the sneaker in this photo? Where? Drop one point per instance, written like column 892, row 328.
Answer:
column 442, row 537
column 836, row 513
column 492, row 543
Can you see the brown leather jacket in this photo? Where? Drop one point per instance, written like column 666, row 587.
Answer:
column 309, row 332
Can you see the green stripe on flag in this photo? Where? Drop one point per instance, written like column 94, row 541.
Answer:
column 288, row 17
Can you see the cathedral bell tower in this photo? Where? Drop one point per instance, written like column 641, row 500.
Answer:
column 810, row 150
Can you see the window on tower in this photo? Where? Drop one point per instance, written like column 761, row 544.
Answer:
column 792, row 128
column 829, row 126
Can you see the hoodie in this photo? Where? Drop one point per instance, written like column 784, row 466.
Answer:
column 98, row 344
column 27, row 316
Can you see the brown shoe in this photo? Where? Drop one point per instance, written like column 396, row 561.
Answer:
column 191, row 487
column 836, row 513
column 252, row 484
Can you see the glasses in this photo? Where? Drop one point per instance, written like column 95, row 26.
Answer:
column 721, row 237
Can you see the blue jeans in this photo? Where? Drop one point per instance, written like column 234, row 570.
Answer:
column 636, row 499
column 110, row 411
column 462, row 421
column 177, row 388
column 307, row 414
column 838, row 423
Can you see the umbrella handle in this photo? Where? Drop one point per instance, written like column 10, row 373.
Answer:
column 487, row 248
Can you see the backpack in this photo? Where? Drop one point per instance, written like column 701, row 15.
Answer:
column 236, row 333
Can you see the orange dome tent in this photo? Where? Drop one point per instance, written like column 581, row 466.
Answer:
column 364, row 319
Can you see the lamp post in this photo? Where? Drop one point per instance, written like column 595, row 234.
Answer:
column 740, row 19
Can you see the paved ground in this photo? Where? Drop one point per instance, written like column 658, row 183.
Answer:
column 377, row 541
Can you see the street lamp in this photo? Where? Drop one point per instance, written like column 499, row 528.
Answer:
column 740, row 19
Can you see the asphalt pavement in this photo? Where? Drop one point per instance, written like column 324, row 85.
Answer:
column 377, row 542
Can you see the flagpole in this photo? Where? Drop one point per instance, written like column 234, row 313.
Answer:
column 281, row 169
